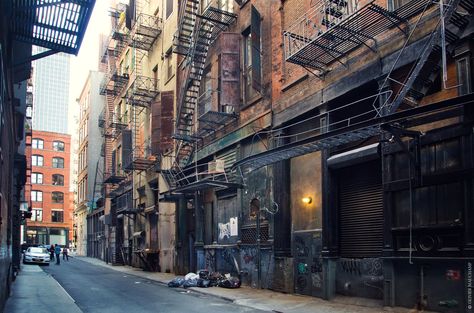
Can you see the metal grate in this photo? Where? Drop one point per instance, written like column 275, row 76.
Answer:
column 54, row 24
column 249, row 234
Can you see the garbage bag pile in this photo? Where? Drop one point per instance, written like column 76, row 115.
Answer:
column 205, row 279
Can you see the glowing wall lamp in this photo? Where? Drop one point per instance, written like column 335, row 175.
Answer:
column 307, row 200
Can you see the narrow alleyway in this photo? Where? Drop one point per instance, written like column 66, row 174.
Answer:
column 98, row 289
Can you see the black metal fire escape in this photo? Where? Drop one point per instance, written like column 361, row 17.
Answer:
column 198, row 29
column 142, row 90
column 320, row 49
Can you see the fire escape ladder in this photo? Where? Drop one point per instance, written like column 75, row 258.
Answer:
column 182, row 40
column 186, row 119
column 431, row 48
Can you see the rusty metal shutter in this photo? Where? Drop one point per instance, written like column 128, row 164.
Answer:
column 229, row 72
column 167, row 108
column 360, row 211
column 126, row 148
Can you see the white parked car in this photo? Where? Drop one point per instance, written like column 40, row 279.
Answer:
column 36, row 255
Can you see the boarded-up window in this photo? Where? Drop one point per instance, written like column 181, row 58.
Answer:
column 162, row 123
column 126, row 147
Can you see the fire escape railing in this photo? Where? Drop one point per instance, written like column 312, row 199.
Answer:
column 334, row 28
column 145, row 31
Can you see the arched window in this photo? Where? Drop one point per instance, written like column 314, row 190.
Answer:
column 58, row 162
column 36, row 196
column 57, row 197
column 58, row 146
column 36, row 178
column 58, row 180
column 37, row 143
column 37, row 160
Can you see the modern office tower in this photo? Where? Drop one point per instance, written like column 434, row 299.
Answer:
column 51, row 90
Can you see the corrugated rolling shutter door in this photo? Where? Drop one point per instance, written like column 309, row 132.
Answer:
column 229, row 157
column 361, row 211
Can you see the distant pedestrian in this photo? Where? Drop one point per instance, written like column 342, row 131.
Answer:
column 57, row 251
column 51, row 252
column 65, row 254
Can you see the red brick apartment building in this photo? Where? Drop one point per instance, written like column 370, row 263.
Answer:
column 47, row 189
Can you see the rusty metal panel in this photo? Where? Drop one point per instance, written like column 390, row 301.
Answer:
column 229, row 72
column 167, row 100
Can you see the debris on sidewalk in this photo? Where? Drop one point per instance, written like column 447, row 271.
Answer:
column 205, row 279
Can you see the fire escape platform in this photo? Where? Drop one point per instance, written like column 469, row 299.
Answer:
column 214, row 118
column 145, row 31
column 341, row 38
column 140, row 164
column 348, row 134
column 142, row 91
column 113, row 178
column 219, row 18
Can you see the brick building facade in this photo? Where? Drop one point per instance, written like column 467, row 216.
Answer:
column 47, row 189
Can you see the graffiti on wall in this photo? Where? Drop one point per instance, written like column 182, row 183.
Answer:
column 360, row 277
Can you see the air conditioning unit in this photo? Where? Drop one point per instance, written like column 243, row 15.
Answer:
column 217, row 166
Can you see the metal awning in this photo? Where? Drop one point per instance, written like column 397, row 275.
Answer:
column 362, row 130
column 58, row 25
column 207, row 184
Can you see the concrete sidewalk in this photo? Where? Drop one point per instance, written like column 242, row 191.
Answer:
column 36, row 291
column 264, row 299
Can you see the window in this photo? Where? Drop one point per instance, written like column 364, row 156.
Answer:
column 58, row 180
column 58, row 146
column 36, row 178
column 57, row 197
column 58, row 162
column 37, row 143
column 37, row 160
column 252, row 59
column 463, row 66
column 398, row 3
column 169, row 7
column 57, row 216
column 36, row 196
column 169, row 64
column 37, row 214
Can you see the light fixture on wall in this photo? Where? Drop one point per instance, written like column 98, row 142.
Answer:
column 307, row 200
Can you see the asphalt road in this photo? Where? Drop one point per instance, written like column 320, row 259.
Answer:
column 99, row 289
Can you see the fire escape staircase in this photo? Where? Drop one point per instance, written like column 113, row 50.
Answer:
column 365, row 125
column 195, row 34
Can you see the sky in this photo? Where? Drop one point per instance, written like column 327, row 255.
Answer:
column 88, row 56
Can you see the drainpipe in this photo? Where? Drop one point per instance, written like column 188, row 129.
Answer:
column 259, row 253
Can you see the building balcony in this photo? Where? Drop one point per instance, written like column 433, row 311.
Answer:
column 118, row 121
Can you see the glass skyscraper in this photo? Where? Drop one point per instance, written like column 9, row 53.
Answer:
column 51, row 92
